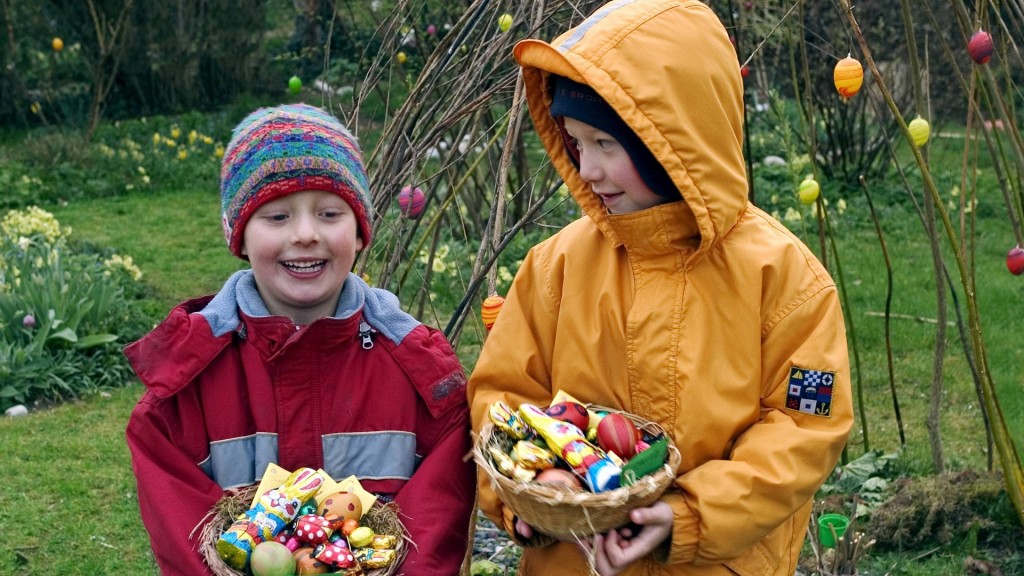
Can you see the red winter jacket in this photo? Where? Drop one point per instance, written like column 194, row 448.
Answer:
column 370, row 392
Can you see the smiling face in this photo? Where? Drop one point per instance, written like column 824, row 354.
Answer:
column 301, row 248
column 607, row 167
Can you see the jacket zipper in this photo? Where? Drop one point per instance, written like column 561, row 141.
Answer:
column 365, row 334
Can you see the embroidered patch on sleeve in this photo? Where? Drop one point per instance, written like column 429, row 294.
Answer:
column 810, row 391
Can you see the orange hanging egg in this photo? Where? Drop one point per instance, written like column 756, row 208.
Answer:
column 490, row 309
column 848, row 77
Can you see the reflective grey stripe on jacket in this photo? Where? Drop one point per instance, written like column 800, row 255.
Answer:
column 242, row 461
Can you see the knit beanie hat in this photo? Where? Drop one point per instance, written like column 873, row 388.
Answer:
column 290, row 148
column 579, row 101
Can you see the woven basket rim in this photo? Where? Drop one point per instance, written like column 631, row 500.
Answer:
column 571, row 513
column 220, row 520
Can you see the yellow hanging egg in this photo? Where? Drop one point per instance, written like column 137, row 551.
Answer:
column 490, row 309
column 401, row 57
column 57, row 44
column 848, row 76
column 919, row 131
column 809, row 190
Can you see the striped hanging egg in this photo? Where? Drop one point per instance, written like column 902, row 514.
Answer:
column 490, row 309
column 848, row 76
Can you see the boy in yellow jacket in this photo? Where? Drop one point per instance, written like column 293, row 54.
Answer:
column 673, row 298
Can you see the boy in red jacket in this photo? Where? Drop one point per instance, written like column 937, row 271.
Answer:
column 297, row 361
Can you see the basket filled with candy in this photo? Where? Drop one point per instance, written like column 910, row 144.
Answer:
column 305, row 524
column 572, row 469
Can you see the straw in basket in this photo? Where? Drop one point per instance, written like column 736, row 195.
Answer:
column 382, row 518
column 574, row 513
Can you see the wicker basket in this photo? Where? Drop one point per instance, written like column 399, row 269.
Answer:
column 382, row 518
column 575, row 513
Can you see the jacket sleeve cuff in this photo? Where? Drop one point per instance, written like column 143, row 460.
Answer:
column 685, row 531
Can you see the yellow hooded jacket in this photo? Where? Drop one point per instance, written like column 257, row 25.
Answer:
column 707, row 315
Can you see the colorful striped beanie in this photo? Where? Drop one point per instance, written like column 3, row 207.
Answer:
column 290, row 148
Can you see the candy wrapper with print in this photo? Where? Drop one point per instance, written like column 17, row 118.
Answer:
column 269, row 515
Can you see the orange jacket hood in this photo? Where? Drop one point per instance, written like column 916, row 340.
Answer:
column 671, row 73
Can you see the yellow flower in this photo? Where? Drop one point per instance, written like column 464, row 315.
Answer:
column 219, row 151
column 156, row 138
column 182, row 154
column 192, row 136
column 792, row 215
column 175, row 132
column 36, row 108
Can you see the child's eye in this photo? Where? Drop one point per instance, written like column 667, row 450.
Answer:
column 277, row 217
column 575, row 143
column 605, row 144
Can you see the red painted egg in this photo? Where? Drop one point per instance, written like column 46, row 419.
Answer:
column 1015, row 261
column 980, row 46
column 571, row 412
column 617, row 434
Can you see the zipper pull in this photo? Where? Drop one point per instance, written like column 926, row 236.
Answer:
column 364, row 333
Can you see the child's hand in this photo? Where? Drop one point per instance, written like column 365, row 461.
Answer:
column 617, row 549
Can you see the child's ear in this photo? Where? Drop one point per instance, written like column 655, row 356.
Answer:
column 243, row 251
column 360, row 244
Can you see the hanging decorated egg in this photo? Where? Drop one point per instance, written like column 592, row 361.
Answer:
column 919, row 131
column 848, row 76
column 980, row 46
column 57, row 44
column 411, row 201
column 808, row 190
column 490, row 309
column 745, row 71
column 295, row 84
column 1015, row 261
column 401, row 57
column 505, row 22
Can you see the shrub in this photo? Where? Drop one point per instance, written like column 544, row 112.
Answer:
column 62, row 312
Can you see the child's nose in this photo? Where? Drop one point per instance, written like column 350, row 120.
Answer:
column 590, row 170
column 305, row 229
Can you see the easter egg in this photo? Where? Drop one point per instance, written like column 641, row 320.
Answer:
column 343, row 504
column 1015, row 260
column 571, row 412
column 360, row 537
column 980, row 46
column 617, row 434
column 431, row 29
column 919, row 131
column 295, row 84
column 411, row 201
column 272, row 559
column 745, row 71
column 306, row 563
column 57, row 44
column 848, row 76
column 560, row 478
column 808, row 191
column 505, row 22
column 401, row 57
column 489, row 310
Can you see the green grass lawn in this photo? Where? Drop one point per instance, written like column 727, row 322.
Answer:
column 68, row 503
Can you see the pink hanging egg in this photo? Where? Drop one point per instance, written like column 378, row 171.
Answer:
column 980, row 46
column 411, row 201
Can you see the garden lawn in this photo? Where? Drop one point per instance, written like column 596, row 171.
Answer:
column 71, row 492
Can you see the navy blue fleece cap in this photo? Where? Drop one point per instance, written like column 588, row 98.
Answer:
column 581, row 102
